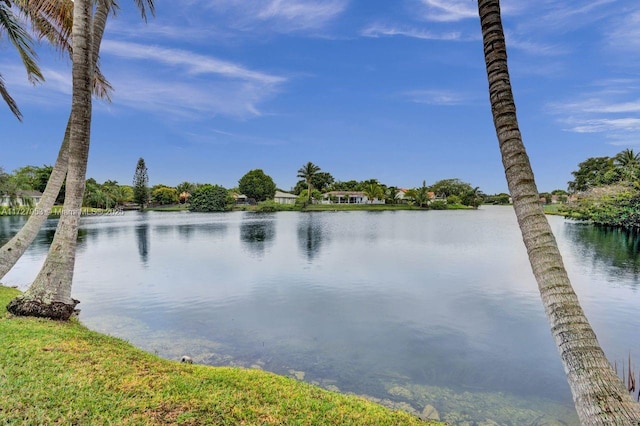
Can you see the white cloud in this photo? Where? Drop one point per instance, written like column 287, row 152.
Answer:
column 449, row 10
column 626, row 33
column 281, row 15
column 165, row 81
column 189, row 99
column 611, row 110
column 377, row 30
column 194, row 64
column 437, row 97
column 605, row 125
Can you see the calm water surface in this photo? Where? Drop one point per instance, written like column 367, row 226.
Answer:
column 433, row 309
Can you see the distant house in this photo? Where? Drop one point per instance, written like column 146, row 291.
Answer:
column 348, row 197
column 22, row 199
column 284, row 198
column 240, row 198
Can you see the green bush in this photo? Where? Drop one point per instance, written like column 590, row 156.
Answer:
column 438, row 205
column 208, row 198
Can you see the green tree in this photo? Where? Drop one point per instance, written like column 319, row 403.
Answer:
column 164, row 195
column 307, row 172
column 474, row 197
column 208, row 198
column 121, row 194
column 629, row 164
column 419, row 195
column 141, row 184
column 350, row 185
column 498, row 199
column 391, row 195
column 257, row 185
column 599, row 395
column 446, row 187
column 594, row 171
column 320, row 181
column 373, row 190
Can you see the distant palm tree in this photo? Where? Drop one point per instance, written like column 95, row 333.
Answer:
column 599, row 395
column 629, row 163
column 373, row 191
column 419, row 195
column 391, row 195
column 307, row 172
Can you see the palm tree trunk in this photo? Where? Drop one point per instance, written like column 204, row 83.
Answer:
column 50, row 294
column 599, row 396
column 15, row 248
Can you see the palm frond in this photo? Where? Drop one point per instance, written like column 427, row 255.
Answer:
column 143, row 5
column 50, row 19
column 9, row 100
column 22, row 41
column 102, row 89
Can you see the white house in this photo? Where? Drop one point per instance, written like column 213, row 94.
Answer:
column 284, row 198
column 23, row 198
column 348, row 197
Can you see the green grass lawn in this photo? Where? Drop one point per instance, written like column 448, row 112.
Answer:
column 62, row 373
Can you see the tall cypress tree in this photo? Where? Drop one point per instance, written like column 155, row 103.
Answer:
column 141, row 184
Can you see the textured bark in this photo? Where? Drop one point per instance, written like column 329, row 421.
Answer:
column 15, row 248
column 52, row 286
column 599, row 395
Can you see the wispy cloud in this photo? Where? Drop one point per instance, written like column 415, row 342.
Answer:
column 605, row 125
column 189, row 100
column 54, row 91
column 608, row 110
column 193, row 63
column 154, row 30
column 449, row 10
column 378, row 30
column 437, row 97
column 169, row 82
column 625, row 35
column 281, row 15
column 532, row 47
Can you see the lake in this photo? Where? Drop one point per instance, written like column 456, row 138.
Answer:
column 418, row 310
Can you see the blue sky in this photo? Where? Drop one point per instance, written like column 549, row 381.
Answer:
column 394, row 90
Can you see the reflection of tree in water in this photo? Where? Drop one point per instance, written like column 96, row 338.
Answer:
column 9, row 226
column 187, row 231
column 616, row 248
column 257, row 233
column 310, row 236
column 142, row 235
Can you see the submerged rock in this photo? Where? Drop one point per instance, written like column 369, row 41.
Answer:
column 429, row 412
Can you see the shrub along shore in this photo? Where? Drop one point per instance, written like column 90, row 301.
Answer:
column 63, row 373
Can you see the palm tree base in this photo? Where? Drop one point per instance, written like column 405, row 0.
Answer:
column 25, row 307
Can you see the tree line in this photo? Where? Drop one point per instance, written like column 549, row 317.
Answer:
column 606, row 191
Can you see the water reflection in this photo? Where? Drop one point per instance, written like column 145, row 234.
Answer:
column 257, row 232
column 188, row 231
column 9, row 226
column 142, row 237
column 423, row 308
column 310, row 235
column 615, row 249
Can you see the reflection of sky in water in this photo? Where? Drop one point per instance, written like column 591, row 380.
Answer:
column 429, row 298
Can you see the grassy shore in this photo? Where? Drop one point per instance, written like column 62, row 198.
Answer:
column 63, row 373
